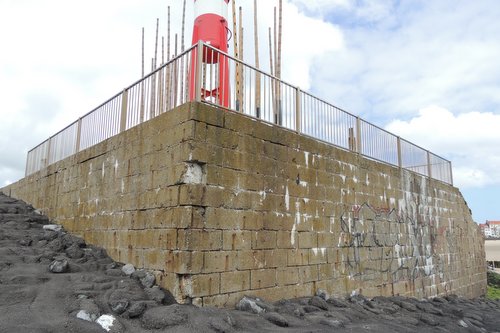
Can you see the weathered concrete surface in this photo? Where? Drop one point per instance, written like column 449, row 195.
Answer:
column 221, row 206
column 34, row 299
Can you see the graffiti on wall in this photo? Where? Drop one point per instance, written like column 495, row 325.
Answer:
column 380, row 241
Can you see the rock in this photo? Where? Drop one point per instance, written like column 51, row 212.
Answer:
column 319, row 302
column 474, row 316
column 310, row 308
column 110, row 324
column 438, row 299
column 429, row 308
column 428, row 319
column 49, row 235
column 407, row 306
column 70, row 240
column 84, row 315
column 74, row 252
column 113, row 272
column 249, row 305
column 163, row 317
column 276, row 319
column 323, row 294
column 52, row 227
column 128, row 269
column 59, row 266
column 56, row 245
column 331, row 322
column 148, row 280
column 89, row 306
column 25, row 242
column 159, row 295
column 220, row 325
column 112, row 265
column 136, row 309
column 462, row 323
column 338, row 303
column 138, row 274
column 266, row 306
column 119, row 306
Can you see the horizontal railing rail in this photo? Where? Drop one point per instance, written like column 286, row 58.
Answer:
column 198, row 74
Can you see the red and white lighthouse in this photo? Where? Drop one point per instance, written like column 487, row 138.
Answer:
column 211, row 27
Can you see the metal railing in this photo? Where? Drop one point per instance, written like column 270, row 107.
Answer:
column 197, row 74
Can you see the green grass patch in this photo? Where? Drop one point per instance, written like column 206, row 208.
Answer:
column 493, row 292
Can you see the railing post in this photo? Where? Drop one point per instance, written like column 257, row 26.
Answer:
column 358, row 135
column 78, row 134
column 123, row 114
column 298, row 110
column 27, row 164
column 199, row 72
column 451, row 173
column 47, row 155
column 429, row 167
column 400, row 158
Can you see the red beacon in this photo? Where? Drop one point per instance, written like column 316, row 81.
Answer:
column 211, row 27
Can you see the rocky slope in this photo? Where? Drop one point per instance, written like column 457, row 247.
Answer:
column 51, row 281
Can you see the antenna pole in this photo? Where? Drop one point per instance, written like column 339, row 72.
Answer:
column 242, row 79
column 257, row 74
column 237, row 56
column 169, row 67
column 156, row 43
column 278, row 63
column 142, row 71
column 183, row 24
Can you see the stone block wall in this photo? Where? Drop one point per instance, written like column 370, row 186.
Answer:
column 221, row 205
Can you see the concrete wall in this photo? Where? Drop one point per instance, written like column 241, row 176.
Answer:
column 221, row 205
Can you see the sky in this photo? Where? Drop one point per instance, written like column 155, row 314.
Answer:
column 425, row 70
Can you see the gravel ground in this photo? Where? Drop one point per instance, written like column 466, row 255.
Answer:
column 51, row 281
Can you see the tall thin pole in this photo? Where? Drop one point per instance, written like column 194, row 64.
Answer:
column 153, row 67
column 280, row 33
column 161, row 91
column 275, row 83
column 271, row 67
column 257, row 74
column 156, row 43
column 142, row 67
column 236, row 55
column 242, row 79
column 162, row 50
column 181, row 85
column 278, row 63
column 141, row 112
column 175, row 81
column 169, row 67
column 183, row 25
column 168, row 34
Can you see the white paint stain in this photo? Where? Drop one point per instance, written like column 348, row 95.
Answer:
column 287, row 199
column 317, row 250
column 332, row 224
column 306, row 157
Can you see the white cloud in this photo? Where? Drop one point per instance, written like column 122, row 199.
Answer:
column 416, row 54
column 61, row 59
column 469, row 139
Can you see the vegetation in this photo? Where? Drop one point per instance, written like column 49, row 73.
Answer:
column 493, row 286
